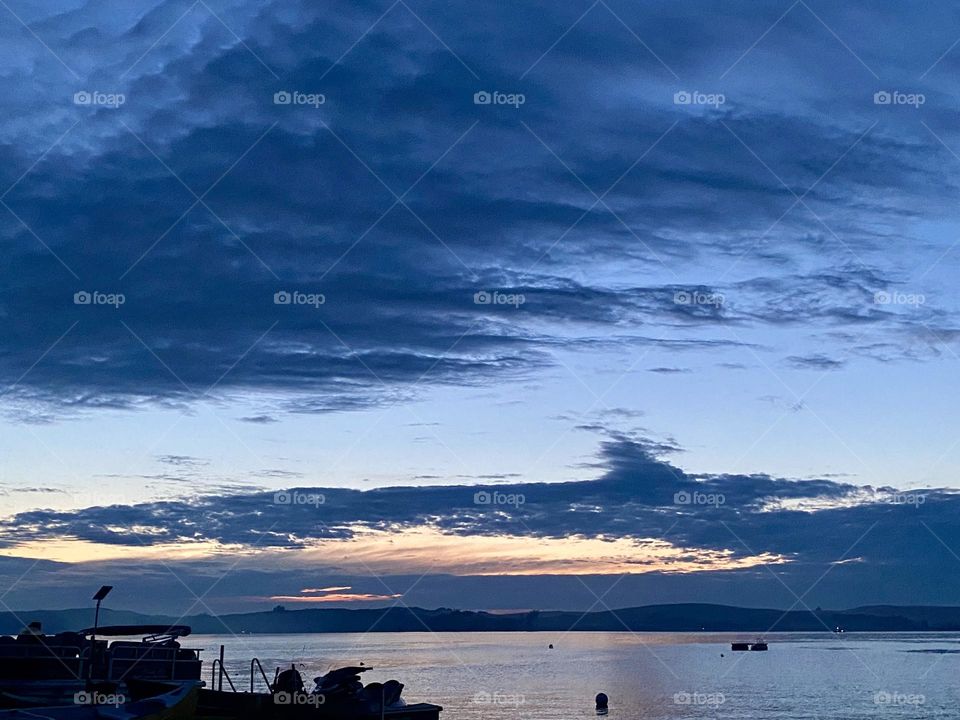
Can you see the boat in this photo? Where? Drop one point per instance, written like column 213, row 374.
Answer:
column 337, row 695
column 39, row 670
column 83, row 675
column 739, row 646
column 147, row 701
column 760, row 645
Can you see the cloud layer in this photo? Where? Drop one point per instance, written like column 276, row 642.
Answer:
column 599, row 200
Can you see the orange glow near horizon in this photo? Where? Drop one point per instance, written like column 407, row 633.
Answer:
column 427, row 549
column 424, row 550
column 335, row 597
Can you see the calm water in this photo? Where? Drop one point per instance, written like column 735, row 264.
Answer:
column 647, row 675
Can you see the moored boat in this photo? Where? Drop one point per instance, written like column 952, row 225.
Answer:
column 81, row 676
column 337, row 695
column 48, row 670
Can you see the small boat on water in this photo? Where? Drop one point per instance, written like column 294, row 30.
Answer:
column 759, row 645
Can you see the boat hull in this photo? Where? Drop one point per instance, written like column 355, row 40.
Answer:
column 176, row 703
column 223, row 705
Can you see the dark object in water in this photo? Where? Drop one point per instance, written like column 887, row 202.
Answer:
column 551, row 646
column 739, row 646
column 759, row 646
column 602, row 702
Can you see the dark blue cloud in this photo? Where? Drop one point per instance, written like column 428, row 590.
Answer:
column 640, row 495
column 398, row 199
column 864, row 535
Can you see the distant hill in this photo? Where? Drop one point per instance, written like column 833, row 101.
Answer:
column 689, row 617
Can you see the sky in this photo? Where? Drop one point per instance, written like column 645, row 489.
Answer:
column 571, row 305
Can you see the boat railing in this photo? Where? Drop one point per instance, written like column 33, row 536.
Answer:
column 218, row 671
column 39, row 650
column 255, row 663
column 156, row 661
column 218, row 664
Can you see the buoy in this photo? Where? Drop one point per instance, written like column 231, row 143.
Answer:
column 551, row 646
column 602, row 703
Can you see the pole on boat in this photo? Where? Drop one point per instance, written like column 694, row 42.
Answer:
column 101, row 594
column 220, row 684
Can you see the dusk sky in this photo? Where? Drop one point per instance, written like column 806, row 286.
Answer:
column 498, row 306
